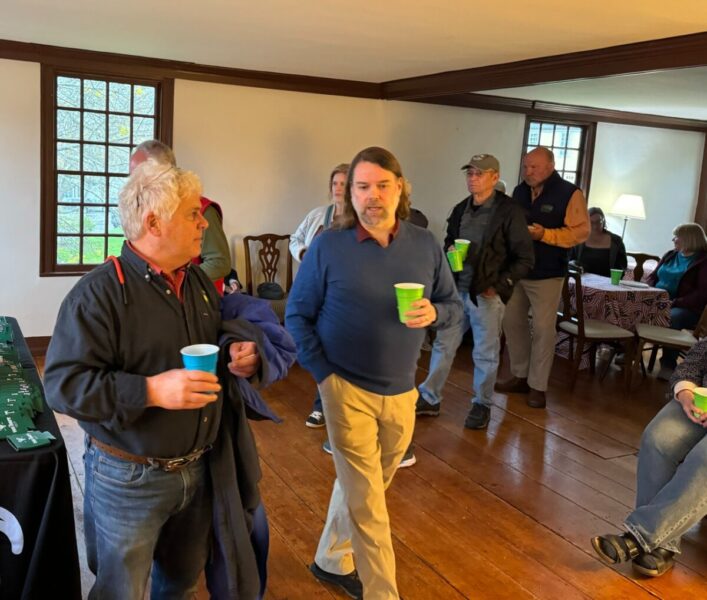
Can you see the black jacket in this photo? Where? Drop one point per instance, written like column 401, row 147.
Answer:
column 506, row 253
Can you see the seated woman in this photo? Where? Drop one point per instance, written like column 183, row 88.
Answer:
column 671, row 477
column 682, row 272
column 602, row 251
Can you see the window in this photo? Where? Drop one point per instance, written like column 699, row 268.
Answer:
column 570, row 142
column 90, row 126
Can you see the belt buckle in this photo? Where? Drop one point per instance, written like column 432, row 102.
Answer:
column 174, row 464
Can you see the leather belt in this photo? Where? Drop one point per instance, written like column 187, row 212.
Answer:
column 164, row 464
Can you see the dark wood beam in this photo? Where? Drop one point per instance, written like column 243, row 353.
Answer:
column 668, row 53
column 564, row 111
column 97, row 62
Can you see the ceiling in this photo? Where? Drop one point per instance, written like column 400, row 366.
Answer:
column 383, row 41
column 677, row 93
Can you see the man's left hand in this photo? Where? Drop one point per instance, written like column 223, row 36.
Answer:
column 536, row 231
column 245, row 360
column 422, row 315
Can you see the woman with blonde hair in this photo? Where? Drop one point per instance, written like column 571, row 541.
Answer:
column 316, row 221
column 682, row 272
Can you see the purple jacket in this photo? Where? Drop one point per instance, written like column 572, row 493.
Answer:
column 692, row 289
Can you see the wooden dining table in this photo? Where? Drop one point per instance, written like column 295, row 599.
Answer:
column 624, row 305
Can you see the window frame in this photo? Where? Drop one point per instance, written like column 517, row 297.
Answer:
column 586, row 162
column 164, row 118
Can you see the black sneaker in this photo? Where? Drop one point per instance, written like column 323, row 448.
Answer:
column 422, row 407
column 478, row 417
column 315, row 420
column 408, row 458
column 350, row 583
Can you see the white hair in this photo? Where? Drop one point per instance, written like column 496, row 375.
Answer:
column 157, row 188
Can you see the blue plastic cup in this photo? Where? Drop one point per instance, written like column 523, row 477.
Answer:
column 200, row 357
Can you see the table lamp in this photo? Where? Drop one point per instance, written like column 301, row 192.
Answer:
column 628, row 206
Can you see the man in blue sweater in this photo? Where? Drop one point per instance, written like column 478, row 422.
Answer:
column 342, row 314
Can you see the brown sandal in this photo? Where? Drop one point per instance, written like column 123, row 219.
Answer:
column 614, row 549
column 655, row 563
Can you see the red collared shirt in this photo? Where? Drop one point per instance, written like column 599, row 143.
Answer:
column 175, row 283
column 362, row 234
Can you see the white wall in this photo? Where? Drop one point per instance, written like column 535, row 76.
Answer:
column 662, row 165
column 23, row 294
column 265, row 156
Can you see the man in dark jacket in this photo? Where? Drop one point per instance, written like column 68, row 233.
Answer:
column 500, row 253
column 114, row 364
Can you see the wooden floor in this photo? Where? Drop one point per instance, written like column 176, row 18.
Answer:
column 505, row 513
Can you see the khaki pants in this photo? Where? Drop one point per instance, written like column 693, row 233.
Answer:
column 532, row 354
column 369, row 434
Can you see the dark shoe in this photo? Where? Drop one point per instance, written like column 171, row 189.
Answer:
column 408, row 458
column 655, row 563
column 478, row 417
column 614, row 549
column 535, row 399
column 315, row 420
column 326, row 446
column 513, row 385
column 350, row 583
column 422, row 407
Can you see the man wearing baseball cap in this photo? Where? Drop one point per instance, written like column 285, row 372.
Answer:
column 500, row 253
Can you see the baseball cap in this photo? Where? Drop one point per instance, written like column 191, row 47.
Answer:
column 483, row 162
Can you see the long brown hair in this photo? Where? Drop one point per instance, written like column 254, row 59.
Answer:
column 385, row 160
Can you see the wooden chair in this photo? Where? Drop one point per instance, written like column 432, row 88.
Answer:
column 273, row 254
column 664, row 337
column 641, row 258
column 588, row 331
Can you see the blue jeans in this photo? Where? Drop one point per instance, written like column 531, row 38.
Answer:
column 680, row 318
column 135, row 514
column 485, row 322
column 672, row 480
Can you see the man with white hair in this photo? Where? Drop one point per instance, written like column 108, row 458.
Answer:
column 114, row 364
column 215, row 255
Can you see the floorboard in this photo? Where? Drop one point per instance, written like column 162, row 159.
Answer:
column 505, row 513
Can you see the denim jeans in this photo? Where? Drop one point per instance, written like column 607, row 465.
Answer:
column 485, row 322
column 680, row 318
column 135, row 514
column 672, row 480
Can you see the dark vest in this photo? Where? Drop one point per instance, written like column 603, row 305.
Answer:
column 548, row 210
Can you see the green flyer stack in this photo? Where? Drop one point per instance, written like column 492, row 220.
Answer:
column 20, row 398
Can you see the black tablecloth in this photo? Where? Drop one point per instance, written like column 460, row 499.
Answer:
column 35, row 487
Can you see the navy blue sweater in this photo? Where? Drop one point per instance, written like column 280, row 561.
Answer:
column 342, row 309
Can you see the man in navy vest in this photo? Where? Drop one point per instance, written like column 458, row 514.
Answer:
column 557, row 217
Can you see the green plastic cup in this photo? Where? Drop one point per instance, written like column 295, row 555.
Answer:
column 455, row 260
column 700, row 398
column 463, row 247
column 616, row 275
column 406, row 294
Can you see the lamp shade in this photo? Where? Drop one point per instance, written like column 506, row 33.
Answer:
column 629, row 206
